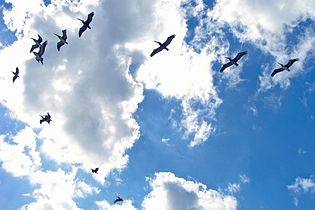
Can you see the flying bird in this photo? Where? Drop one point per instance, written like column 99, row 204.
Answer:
column 45, row 118
column 94, row 170
column 39, row 54
column 16, row 74
column 118, row 199
column 284, row 67
column 63, row 39
column 233, row 61
column 37, row 43
column 86, row 24
column 163, row 45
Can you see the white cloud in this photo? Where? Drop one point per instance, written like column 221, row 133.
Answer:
column 171, row 193
column 57, row 189
column 234, row 188
column 301, row 186
column 18, row 153
column 125, row 205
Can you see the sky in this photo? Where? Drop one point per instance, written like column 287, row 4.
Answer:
column 168, row 132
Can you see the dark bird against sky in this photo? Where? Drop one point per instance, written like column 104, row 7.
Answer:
column 163, row 45
column 45, row 118
column 284, row 67
column 37, row 43
column 94, row 170
column 233, row 61
column 16, row 74
column 86, row 24
column 118, row 199
column 40, row 53
column 63, row 39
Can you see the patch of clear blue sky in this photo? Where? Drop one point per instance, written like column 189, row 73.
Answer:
column 6, row 36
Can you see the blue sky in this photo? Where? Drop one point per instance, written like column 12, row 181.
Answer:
column 167, row 132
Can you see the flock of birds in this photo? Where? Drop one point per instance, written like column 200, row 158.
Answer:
column 162, row 46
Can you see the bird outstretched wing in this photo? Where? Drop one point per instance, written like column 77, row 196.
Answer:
column 59, row 44
column 291, row 61
column 276, row 71
column 82, row 29
column 157, row 50
column 42, row 48
column 226, row 66
column 239, row 55
column 90, row 17
column 40, row 39
column 64, row 34
column 169, row 39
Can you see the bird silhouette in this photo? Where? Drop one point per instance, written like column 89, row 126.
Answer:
column 284, row 67
column 45, row 118
column 163, row 46
column 40, row 53
column 63, row 39
column 37, row 43
column 118, row 199
column 233, row 61
column 86, row 23
column 94, row 170
column 16, row 74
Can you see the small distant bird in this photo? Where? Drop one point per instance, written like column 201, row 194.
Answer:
column 86, row 24
column 40, row 53
column 118, row 199
column 94, row 170
column 16, row 74
column 37, row 43
column 163, row 45
column 284, row 67
column 233, row 61
column 45, row 118
column 63, row 39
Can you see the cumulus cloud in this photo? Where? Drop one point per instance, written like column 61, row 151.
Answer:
column 302, row 186
column 125, row 205
column 171, row 193
column 86, row 86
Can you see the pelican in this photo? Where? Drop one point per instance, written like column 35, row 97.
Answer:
column 16, row 74
column 63, row 39
column 86, row 24
column 39, row 54
column 45, row 118
column 284, row 67
column 37, row 43
column 233, row 61
column 94, row 170
column 118, row 199
column 163, row 45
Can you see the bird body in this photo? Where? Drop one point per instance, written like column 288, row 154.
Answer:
column 163, row 46
column 16, row 74
column 39, row 54
column 63, row 39
column 86, row 23
column 45, row 118
column 118, row 199
column 37, row 43
column 233, row 61
column 284, row 67
column 94, row 170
